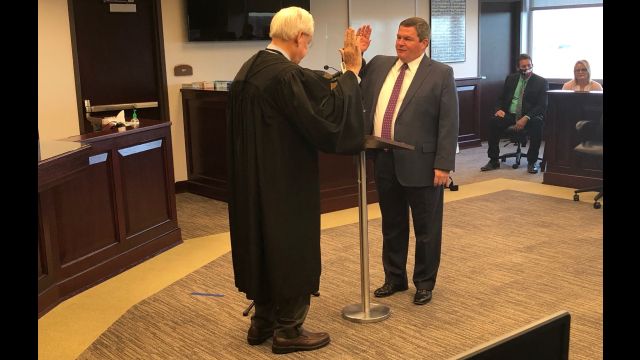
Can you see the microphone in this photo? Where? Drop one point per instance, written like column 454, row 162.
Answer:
column 335, row 76
column 327, row 67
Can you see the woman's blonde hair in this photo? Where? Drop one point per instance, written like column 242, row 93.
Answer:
column 586, row 65
column 288, row 22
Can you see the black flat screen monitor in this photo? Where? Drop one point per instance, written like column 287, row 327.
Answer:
column 234, row 20
column 546, row 339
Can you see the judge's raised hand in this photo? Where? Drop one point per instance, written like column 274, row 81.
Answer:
column 351, row 55
column 364, row 37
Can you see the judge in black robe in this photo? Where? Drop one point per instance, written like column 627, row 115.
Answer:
column 279, row 116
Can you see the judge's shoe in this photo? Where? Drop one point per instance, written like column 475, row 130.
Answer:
column 256, row 336
column 533, row 168
column 389, row 289
column 491, row 165
column 422, row 297
column 305, row 341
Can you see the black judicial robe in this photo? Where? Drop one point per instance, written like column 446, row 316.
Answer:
column 279, row 115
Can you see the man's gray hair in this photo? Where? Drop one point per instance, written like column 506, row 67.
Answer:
column 288, row 22
column 422, row 27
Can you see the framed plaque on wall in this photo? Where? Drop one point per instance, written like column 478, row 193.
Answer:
column 448, row 30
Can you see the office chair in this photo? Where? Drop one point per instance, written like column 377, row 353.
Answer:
column 519, row 139
column 590, row 135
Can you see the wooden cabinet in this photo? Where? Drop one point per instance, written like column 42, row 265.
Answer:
column 104, row 208
column 205, row 113
column 564, row 166
column 468, row 112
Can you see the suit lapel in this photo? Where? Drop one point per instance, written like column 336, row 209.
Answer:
column 418, row 79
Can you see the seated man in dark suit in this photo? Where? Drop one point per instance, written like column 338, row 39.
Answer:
column 523, row 104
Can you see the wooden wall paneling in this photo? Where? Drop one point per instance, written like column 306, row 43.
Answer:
column 204, row 114
column 86, row 215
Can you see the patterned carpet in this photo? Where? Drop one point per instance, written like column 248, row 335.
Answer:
column 508, row 259
column 200, row 216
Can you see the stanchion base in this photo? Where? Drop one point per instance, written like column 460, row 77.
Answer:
column 355, row 313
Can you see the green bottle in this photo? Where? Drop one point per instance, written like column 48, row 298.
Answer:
column 134, row 117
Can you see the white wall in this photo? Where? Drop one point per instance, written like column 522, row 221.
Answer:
column 57, row 112
column 222, row 60
column 385, row 16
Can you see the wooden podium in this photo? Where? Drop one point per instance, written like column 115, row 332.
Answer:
column 366, row 312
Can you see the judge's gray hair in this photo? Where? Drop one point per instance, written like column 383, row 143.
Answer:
column 288, row 22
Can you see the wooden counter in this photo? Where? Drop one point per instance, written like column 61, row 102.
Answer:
column 205, row 113
column 105, row 204
column 564, row 166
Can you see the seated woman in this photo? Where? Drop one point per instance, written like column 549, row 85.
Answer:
column 582, row 78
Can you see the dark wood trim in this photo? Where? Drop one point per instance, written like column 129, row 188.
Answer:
column 182, row 187
column 60, row 168
column 85, row 126
column 104, row 208
column 209, row 187
column 161, row 74
column 569, row 180
column 346, row 201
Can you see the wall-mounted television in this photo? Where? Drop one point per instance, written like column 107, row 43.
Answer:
column 234, row 20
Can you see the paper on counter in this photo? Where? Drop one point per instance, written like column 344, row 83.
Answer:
column 115, row 119
column 120, row 116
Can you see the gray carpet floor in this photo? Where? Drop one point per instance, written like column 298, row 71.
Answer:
column 499, row 272
column 200, row 216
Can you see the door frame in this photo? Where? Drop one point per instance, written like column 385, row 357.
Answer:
column 516, row 7
column 161, row 73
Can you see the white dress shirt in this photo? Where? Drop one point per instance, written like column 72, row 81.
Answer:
column 387, row 88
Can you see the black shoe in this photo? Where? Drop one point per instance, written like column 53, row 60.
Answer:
column 256, row 336
column 491, row 165
column 389, row 289
column 422, row 297
column 532, row 168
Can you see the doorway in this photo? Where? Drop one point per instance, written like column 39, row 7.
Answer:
column 118, row 56
column 499, row 47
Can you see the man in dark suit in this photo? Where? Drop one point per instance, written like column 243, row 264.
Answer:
column 522, row 104
column 412, row 99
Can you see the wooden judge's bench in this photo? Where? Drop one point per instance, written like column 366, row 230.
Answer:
column 106, row 201
column 564, row 166
column 205, row 112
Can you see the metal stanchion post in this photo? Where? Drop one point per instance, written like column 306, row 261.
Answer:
column 364, row 312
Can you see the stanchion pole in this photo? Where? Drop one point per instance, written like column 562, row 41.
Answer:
column 364, row 312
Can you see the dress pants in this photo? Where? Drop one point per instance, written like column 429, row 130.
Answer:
column 426, row 205
column 286, row 315
column 497, row 126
